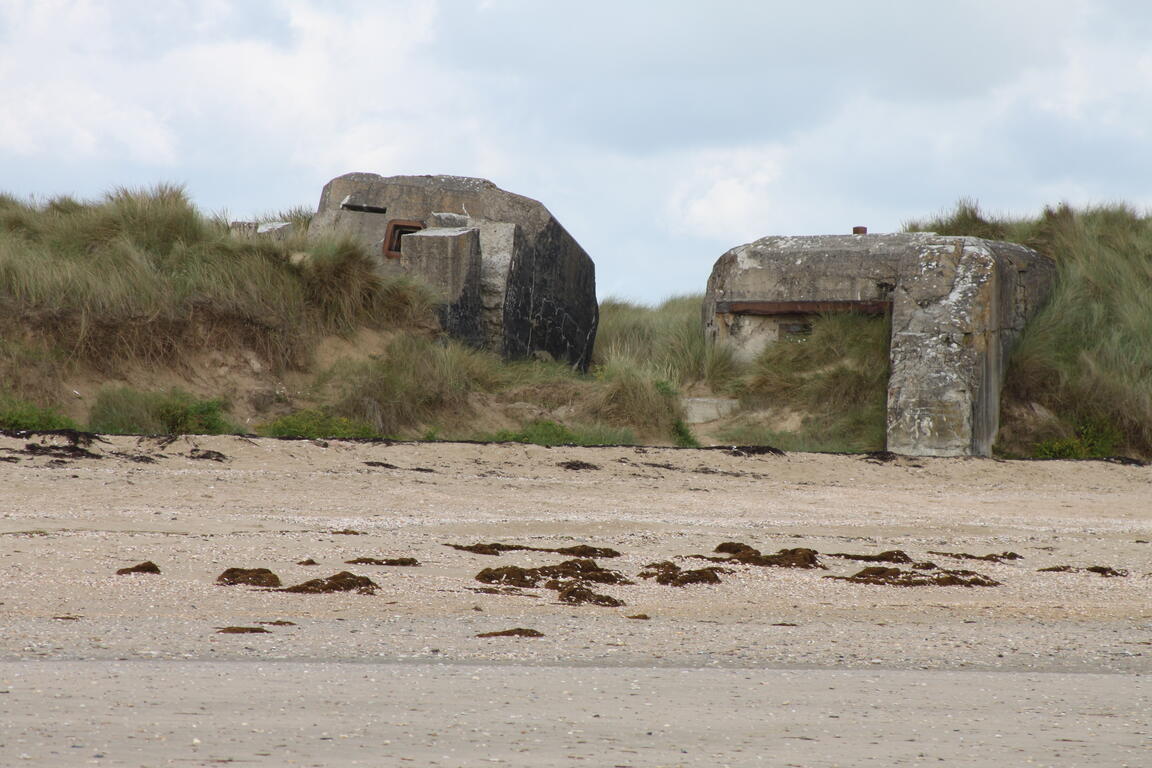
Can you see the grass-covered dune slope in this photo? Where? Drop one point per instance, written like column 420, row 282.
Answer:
column 138, row 314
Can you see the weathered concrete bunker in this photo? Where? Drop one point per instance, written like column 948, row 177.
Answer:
column 957, row 306
column 509, row 277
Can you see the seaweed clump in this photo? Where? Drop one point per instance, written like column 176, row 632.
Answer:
column 253, row 577
column 339, row 582
column 895, row 577
column 671, row 575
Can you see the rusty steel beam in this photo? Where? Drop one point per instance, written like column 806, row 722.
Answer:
column 865, row 307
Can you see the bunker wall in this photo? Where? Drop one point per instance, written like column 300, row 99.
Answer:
column 958, row 304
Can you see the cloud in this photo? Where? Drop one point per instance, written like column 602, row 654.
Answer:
column 1073, row 127
column 693, row 75
column 727, row 193
column 660, row 139
column 53, row 109
column 44, row 125
column 209, row 91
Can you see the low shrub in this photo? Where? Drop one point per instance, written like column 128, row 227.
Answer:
column 683, row 436
column 627, row 397
column 316, row 423
column 1090, row 441
column 666, row 342
column 543, row 432
column 17, row 414
column 126, row 411
column 418, row 381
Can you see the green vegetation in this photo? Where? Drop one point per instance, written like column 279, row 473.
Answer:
column 835, row 378
column 798, row 440
column 1087, row 355
column 543, row 432
column 141, row 275
column 126, row 411
column 417, row 382
column 25, row 366
column 316, row 423
column 1089, row 441
column 298, row 216
column 643, row 354
column 665, row 342
column 683, row 435
column 344, row 292
column 630, row 397
column 140, row 278
column 17, row 414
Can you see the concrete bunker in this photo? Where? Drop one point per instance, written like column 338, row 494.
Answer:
column 958, row 305
column 508, row 276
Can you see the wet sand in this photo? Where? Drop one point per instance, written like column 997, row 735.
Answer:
column 377, row 714
column 768, row 666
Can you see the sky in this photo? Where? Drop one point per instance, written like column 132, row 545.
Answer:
column 660, row 133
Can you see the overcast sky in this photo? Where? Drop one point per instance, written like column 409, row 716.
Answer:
column 659, row 132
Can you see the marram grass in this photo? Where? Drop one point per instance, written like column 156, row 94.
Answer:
column 141, row 275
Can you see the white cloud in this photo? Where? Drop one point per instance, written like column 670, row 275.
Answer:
column 1094, row 84
column 726, row 193
column 338, row 78
column 48, row 125
column 1072, row 127
column 56, row 106
column 659, row 141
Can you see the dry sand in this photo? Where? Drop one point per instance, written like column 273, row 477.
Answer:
column 772, row 666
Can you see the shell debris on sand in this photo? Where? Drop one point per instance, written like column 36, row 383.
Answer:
column 564, row 552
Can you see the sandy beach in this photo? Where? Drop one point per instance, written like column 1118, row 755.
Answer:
column 767, row 665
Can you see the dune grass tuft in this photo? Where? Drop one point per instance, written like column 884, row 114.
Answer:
column 126, row 411
column 298, row 216
column 632, row 398
column 643, row 355
column 316, row 423
column 18, row 414
column 544, row 432
column 666, row 342
column 141, row 275
column 418, row 381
